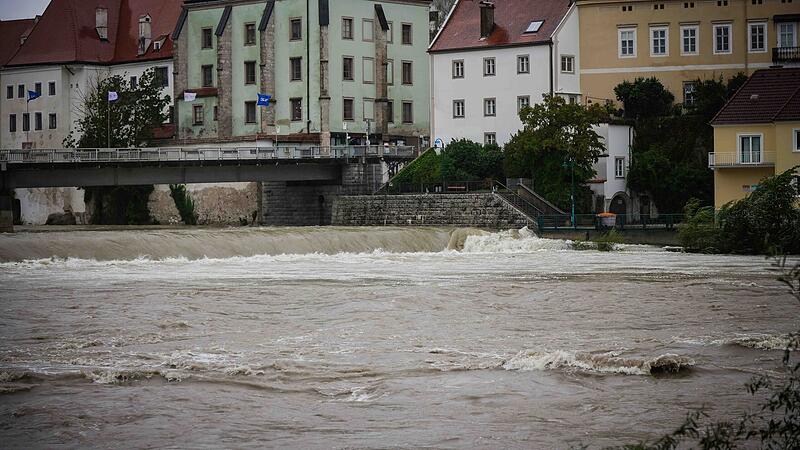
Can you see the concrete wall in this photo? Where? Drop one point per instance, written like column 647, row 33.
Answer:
column 464, row 210
column 629, row 236
column 37, row 203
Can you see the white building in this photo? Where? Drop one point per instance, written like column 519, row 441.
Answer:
column 490, row 59
column 610, row 185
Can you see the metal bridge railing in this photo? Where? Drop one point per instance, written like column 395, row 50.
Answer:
column 177, row 154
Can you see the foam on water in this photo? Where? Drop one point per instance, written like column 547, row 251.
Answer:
column 606, row 363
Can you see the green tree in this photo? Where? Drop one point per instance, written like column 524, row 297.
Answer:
column 644, row 98
column 130, row 120
column 711, row 95
column 557, row 138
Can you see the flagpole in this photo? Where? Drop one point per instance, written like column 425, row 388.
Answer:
column 28, row 113
column 108, row 118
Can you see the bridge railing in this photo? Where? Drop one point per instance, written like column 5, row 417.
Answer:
column 170, row 154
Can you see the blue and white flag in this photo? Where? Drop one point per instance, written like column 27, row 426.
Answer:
column 113, row 96
column 263, row 99
column 33, row 95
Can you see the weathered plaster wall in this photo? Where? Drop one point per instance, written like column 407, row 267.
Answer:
column 37, row 203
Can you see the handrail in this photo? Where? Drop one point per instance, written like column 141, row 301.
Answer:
column 540, row 198
column 734, row 159
column 179, row 154
column 520, row 203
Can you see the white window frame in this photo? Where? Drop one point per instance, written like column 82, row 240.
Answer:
column 365, row 28
column 619, row 170
column 486, row 107
column 750, row 26
column 486, row 138
column 730, row 38
column 796, row 139
column 665, row 29
column 486, row 66
column 463, row 104
column 454, row 64
column 696, row 29
column 739, row 137
column 570, row 59
column 527, row 64
column 791, row 26
column 519, row 101
column 619, row 42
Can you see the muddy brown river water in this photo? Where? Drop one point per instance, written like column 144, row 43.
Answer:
column 358, row 337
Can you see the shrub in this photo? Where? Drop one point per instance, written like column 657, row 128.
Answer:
column 184, row 203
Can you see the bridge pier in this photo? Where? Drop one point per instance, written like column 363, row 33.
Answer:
column 6, row 214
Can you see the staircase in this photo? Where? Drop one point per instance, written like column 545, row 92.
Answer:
column 526, row 208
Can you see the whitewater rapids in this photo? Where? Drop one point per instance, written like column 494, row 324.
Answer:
column 371, row 337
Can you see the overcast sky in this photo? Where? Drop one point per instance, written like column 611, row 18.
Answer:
column 21, row 9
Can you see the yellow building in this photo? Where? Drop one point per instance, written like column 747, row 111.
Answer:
column 681, row 41
column 756, row 134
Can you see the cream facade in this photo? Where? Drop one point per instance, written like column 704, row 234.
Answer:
column 681, row 41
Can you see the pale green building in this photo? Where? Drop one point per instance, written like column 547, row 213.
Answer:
column 333, row 68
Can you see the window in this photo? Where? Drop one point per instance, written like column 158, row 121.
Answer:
column 250, row 112
column 627, row 42
column 619, row 167
column 12, row 123
column 722, row 2
column 407, row 73
column 347, row 28
column 658, row 6
column 390, row 72
column 390, row 34
column 249, row 72
column 26, row 122
column 368, row 70
column 750, row 149
column 796, row 140
column 458, row 68
column 347, row 68
column 489, row 107
column 757, row 2
column 37, row 121
column 523, row 64
column 490, row 138
column 786, row 35
column 567, row 64
column 197, row 113
column 208, row 76
column 408, row 112
column 390, row 111
column 688, row 5
column 296, row 106
column 368, row 107
column 9, row 91
column 689, row 40
column 523, row 101
column 659, row 41
column 134, row 82
column 488, row 67
column 206, row 40
column 688, row 93
column 758, row 37
column 406, row 35
column 367, row 30
column 162, row 76
column 53, row 121
column 296, row 29
column 249, row 34
column 37, row 87
column 722, row 39
column 347, row 109
column 21, row 91
column 627, row 8
column 295, row 69
column 458, row 109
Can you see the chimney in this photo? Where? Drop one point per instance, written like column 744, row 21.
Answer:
column 487, row 18
column 101, row 22
column 145, row 37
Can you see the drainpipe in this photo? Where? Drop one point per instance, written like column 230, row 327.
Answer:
column 551, row 66
column 308, row 67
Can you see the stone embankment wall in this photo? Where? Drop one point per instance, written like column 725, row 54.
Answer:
column 484, row 210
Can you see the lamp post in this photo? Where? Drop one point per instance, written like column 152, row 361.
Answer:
column 571, row 162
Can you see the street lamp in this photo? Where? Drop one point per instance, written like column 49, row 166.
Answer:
column 572, row 187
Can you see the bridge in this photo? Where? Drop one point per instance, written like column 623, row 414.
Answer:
column 64, row 167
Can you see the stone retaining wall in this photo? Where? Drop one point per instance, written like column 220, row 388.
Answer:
column 484, row 210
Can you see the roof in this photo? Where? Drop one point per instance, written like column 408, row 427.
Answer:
column 770, row 95
column 461, row 31
column 66, row 32
column 11, row 31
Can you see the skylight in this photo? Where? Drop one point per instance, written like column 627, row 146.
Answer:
column 534, row 26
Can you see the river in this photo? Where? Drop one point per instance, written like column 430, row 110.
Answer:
column 371, row 337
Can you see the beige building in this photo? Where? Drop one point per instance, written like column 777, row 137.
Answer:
column 681, row 41
column 756, row 134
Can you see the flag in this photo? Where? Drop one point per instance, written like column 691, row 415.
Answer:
column 113, row 96
column 33, row 95
column 189, row 96
column 263, row 99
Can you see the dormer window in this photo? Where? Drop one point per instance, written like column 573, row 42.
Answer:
column 534, row 26
column 101, row 23
column 145, row 37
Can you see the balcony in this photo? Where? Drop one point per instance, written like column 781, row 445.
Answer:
column 783, row 55
column 718, row 160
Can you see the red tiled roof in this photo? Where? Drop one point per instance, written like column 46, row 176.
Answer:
column 66, row 32
column 11, row 31
column 511, row 19
column 770, row 95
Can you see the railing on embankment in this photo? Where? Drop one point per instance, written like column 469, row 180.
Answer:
column 184, row 154
column 620, row 221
